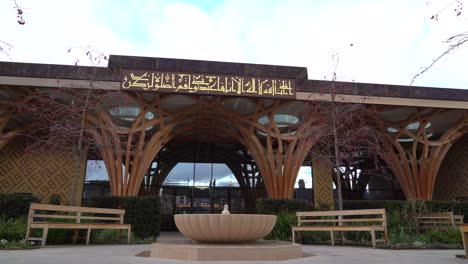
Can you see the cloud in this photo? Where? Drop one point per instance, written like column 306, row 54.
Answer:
column 391, row 40
column 183, row 173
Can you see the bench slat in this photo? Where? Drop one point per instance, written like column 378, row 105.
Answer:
column 338, row 228
column 79, row 226
column 435, row 227
column 434, row 222
column 35, row 238
column 341, row 220
column 434, row 218
column 63, row 208
column 343, row 213
column 54, row 216
column 75, row 217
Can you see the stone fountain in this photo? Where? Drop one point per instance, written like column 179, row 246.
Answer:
column 225, row 236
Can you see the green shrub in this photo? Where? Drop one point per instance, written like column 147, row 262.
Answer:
column 16, row 205
column 451, row 236
column 402, row 225
column 400, row 236
column 12, row 229
column 316, row 237
column 16, row 244
column 54, row 199
column 112, row 236
column 106, row 236
column 409, row 207
column 275, row 206
column 143, row 213
column 400, row 221
column 58, row 236
column 282, row 230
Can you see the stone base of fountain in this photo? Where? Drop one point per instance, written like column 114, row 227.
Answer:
column 263, row 250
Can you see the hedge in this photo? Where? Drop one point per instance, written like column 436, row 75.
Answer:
column 276, row 206
column 457, row 207
column 400, row 222
column 142, row 212
column 16, row 205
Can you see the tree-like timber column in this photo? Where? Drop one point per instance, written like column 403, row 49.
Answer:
column 278, row 147
column 246, row 174
column 128, row 152
column 278, row 154
column 5, row 137
column 414, row 153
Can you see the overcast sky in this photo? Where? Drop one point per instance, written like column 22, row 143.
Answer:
column 391, row 40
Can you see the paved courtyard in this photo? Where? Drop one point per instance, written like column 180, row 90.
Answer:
column 117, row 254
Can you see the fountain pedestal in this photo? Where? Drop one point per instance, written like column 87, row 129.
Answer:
column 225, row 237
column 263, row 250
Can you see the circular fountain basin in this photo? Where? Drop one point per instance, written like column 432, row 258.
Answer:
column 229, row 228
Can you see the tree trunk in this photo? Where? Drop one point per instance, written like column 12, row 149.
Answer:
column 78, row 151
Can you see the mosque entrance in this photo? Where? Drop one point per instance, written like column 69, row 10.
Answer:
column 200, row 177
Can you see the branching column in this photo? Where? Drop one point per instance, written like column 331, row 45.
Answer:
column 280, row 156
column 415, row 158
column 246, row 177
column 278, row 153
column 128, row 152
column 5, row 137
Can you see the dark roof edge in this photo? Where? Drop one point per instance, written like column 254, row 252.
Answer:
column 208, row 67
column 384, row 90
column 118, row 62
column 57, row 71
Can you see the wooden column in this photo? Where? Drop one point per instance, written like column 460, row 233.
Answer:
column 414, row 157
column 5, row 137
column 128, row 152
column 279, row 155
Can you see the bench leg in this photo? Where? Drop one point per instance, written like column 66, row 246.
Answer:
column 465, row 243
column 129, row 235
column 88, row 234
column 75, row 236
column 332, row 238
column 45, row 230
column 373, row 238
column 28, row 233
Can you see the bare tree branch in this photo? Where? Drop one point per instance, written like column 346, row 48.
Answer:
column 455, row 42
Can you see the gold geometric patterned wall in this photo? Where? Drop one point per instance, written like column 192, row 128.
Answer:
column 44, row 174
column 322, row 183
column 452, row 180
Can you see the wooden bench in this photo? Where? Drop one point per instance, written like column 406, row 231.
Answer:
column 437, row 220
column 464, row 231
column 371, row 220
column 40, row 213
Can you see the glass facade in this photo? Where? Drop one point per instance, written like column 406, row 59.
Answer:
column 196, row 188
